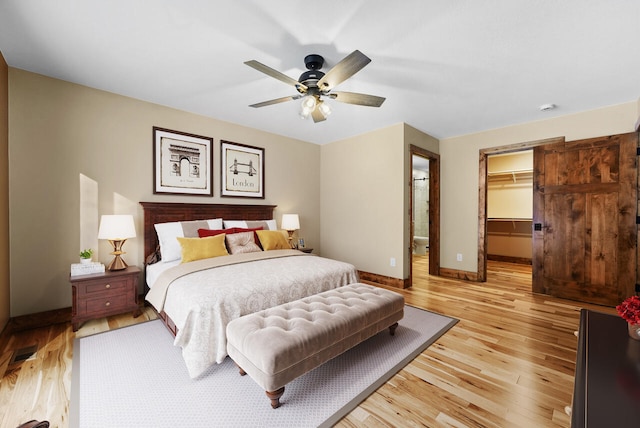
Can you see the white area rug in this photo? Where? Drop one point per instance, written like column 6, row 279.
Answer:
column 135, row 377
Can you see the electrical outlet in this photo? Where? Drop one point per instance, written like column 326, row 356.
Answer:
column 392, row 262
column 459, row 257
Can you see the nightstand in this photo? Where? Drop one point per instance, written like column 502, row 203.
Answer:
column 102, row 294
column 306, row 250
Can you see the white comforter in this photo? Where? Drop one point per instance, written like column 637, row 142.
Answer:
column 202, row 303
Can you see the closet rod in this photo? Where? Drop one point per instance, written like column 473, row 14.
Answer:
column 510, row 171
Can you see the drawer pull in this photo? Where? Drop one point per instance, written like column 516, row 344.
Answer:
column 107, row 304
column 107, row 286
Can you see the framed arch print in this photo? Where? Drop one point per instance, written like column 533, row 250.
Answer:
column 182, row 163
column 242, row 170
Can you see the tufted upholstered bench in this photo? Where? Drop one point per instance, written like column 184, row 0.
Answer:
column 277, row 345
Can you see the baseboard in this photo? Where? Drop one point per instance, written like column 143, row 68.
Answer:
column 385, row 280
column 459, row 274
column 40, row 319
column 509, row 259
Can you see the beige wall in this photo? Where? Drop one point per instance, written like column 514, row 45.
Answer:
column 365, row 198
column 459, row 173
column 62, row 134
column 4, row 194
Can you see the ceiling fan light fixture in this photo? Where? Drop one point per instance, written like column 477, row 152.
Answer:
column 325, row 109
column 304, row 113
column 307, row 106
column 309, row 103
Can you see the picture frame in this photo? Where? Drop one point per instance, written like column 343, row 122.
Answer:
column 182, row 163
column 301, row 243
column 242, row 170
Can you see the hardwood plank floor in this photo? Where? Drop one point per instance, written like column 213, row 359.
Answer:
column 508, row 362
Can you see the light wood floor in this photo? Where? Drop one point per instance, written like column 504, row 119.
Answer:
column 508, row 362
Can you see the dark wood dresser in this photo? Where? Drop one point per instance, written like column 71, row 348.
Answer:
column 607, row 378
column 103, row 294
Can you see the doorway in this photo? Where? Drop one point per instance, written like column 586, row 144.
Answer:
column 482, row 193
column 420, row 203
column 424, row 210
column 510, row 207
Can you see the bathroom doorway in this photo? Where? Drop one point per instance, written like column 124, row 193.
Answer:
column 420, row 195
column 424, row 242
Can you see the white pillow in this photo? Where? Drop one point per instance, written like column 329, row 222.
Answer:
column 250, row 224
column 168, row 232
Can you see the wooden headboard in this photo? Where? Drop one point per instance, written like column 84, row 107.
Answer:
column 163, row 212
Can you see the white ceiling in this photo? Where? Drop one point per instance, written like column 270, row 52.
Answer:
column 446, row 67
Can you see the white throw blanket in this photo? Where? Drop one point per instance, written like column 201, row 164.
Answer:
column 202, row 302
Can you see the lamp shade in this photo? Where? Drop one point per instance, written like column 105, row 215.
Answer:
column 116, row 227
column 290, row 222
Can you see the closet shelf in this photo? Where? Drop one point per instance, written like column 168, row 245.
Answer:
column 513, row 173
column 513, row 221
column 509, row 219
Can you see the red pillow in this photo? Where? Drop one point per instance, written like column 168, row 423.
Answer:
column 203, row 233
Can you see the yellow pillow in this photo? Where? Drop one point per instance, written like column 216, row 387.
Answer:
column 202, row 248
column 273, row 240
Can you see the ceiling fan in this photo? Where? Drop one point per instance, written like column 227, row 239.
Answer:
column 313, row 85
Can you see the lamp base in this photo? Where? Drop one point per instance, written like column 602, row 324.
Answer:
column 117, row 263
column 291, row 244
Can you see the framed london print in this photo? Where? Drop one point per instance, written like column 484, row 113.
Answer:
column 242, row 170
column 182, row 163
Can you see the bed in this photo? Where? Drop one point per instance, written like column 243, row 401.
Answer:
column 196, row 300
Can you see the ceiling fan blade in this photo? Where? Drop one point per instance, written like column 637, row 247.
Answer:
column 317, row 116
column 346, row 68
column 359, row 99
column 276, row 101
column 277, row 75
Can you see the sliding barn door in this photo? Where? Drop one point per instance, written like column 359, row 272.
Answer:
column 584, row 219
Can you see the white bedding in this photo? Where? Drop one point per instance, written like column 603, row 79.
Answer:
column 153, row 271
column 202, row 303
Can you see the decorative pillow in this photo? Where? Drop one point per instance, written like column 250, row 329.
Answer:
column 168, row 232
column 273, row 240
column 211, row 232
column 203, row 233
column 241, row 242
column 249, row 224
column 256, row 240
column 202, row 248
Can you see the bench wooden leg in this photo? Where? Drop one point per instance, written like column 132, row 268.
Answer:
column 392, row 329
column 242, row 372
column 274, row 396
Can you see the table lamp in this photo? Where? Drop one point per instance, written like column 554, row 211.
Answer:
column 290, row 223
column 117, row 229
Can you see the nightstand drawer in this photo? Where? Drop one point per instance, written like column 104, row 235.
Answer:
column 103, row 304
column 98, row 286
